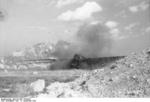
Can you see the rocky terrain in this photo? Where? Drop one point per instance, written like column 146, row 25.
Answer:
column 126, row 77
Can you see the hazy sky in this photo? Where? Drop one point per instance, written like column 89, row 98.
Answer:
column 27, row 22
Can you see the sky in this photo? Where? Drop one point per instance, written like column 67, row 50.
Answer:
column 27, row 22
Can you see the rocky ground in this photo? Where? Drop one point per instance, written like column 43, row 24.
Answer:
column 127, row 77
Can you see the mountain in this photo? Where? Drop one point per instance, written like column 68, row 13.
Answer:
column 37, row 51
column 40, row 52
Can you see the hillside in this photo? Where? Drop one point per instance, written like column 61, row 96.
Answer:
column 128, row 77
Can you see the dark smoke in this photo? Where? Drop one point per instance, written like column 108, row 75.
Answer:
column 64, row 50
column 92, row 40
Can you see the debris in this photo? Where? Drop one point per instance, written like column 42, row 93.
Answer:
column 76, row 61
column 81, row 62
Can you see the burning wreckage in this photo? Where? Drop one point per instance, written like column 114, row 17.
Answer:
column 81, row 62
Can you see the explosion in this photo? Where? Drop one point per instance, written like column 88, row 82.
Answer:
column 92, row 40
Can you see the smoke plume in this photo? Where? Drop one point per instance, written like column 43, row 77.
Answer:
column 92, row 40
column 64, row 50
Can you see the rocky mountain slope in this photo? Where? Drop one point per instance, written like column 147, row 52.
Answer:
column 37, row 51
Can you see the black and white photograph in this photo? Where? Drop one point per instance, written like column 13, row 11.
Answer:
column 74, row 49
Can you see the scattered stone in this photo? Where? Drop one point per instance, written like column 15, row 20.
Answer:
column 38, row 86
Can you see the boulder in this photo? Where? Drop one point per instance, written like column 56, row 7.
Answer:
column 38, row 86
